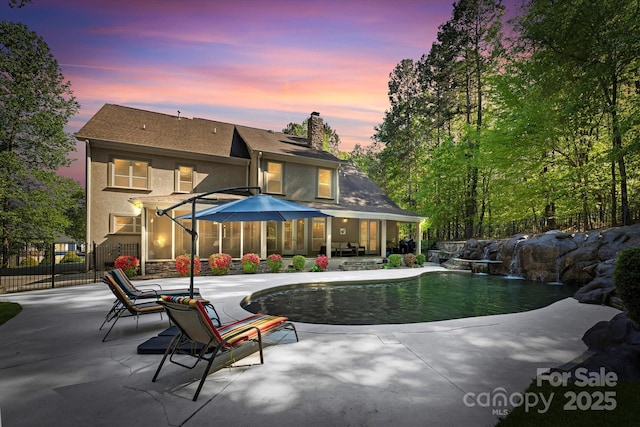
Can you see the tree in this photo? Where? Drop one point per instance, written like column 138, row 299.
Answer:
column 330, row 139
column 402, row 133
column 598, row 41
column 35, row 104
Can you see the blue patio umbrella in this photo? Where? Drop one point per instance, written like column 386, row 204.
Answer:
column 259, row 207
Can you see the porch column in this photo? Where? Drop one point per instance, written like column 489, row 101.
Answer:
column 328, row 242
column 263, row 239
column 418, row 237
column 383, row 239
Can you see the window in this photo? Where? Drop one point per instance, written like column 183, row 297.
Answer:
column 184, row 179
column 129, row 173
column 324, row 183
column 274, row 177
column 125, row 224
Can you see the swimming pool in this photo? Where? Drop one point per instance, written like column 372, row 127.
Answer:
column 427, row 298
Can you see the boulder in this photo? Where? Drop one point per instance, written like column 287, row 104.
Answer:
column 584, row 259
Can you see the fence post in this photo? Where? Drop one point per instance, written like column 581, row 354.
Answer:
column 53, row 265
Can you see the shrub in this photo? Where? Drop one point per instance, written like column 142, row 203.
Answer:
column 298, row 262
column 626, row 277
column 70, row 256
column 395, row 260
column 128, row 263
column 29, row 262
column 409, row 260
column 315, row 268
column 220, row 264
column 183, row 265
column 322, row 262
column 420, row 259
column 274, row 262
column 250, row 263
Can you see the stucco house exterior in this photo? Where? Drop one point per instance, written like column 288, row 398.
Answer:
column 139, row 161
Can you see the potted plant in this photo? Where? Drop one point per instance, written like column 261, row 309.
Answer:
column 220, row 264
column 128, row 263
column 183, row 265
column 274, row 262
column 298, row 262
column 250, row 263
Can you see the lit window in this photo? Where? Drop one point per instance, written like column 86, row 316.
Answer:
column 129, row 173
column 324, row 183
column 184, row 179
column 274, row 177
column 125, row 224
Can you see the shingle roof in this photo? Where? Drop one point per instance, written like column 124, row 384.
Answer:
column 146, row 128
column 281, row 143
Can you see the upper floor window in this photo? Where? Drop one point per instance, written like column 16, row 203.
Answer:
column 129, row 173
column 324, row 183
column 125, row 224
column 184, row 179
column 274, row 177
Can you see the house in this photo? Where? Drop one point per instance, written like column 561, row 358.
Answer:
column 139, row 161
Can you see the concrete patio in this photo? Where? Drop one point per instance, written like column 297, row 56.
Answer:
column 54, row 369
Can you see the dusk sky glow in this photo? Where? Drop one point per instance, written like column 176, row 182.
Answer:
column 256, row 63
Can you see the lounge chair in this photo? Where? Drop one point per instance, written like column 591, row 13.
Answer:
column 233, row 341
column 124, row 306
column 151, row 290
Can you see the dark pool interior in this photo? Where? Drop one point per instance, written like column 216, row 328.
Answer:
column 427, row 298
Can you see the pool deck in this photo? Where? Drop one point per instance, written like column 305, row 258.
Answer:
column 54, row 369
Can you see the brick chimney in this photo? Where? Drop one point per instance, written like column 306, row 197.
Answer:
column 315, row 128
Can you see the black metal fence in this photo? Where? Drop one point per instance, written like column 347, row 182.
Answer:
column 38, row 267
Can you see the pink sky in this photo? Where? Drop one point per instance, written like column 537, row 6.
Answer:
column 256, row 63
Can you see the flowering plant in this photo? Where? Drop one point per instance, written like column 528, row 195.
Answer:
column 322, row 262
column 274, row 261
column 128, row 263
column 250, row 263
column 183, row 265
column 298, row 262
column 220, row 263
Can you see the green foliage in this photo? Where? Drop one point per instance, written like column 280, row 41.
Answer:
column 626, row 277
column 420, row 259
column 478, row 135
column 315, row 268
column 8, row 310
column 35, row 104
column 395, row 260
column 299, row 262
column 29, row 262
column 71, row 256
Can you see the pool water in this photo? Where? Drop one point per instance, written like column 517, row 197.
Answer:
column 430, row 297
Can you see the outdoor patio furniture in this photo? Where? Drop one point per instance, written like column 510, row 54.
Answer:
column 205, row 341
column 150, row 290
column 124, row 306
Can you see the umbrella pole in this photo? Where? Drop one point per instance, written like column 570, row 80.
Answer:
column 194, row 236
